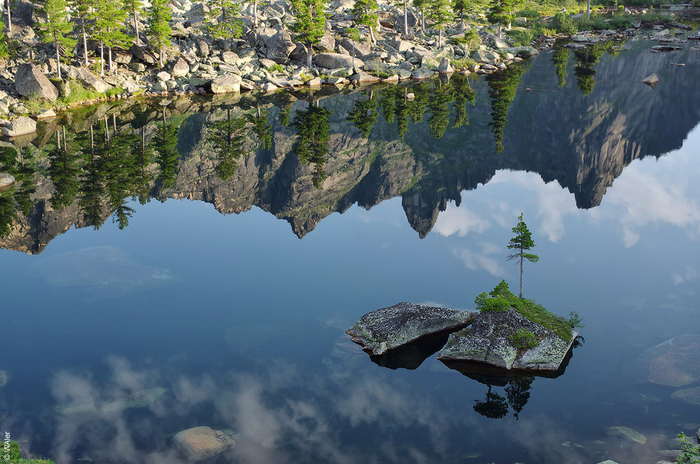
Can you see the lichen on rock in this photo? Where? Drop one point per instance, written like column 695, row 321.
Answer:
column 388, row 328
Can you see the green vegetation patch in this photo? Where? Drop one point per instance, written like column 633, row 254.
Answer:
column 502, row 299
column 690, row 454
column 16, row 458
column 523, row 339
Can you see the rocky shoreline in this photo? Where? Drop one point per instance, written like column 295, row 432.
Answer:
column 267, row 59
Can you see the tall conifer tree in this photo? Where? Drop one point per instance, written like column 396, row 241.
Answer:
column 224, row 19
column 522, row 243
column 159, row 30
column 56, row 27
column 309, row 24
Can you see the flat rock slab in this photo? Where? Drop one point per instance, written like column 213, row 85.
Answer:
column 389, row 328
column 201, row 443
column 628, row 434
column 689, row 395
column 487, row 341
column 674, row 363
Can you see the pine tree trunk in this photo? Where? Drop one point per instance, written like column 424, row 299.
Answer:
column 136, row 29
column 9, row 18
column 102, row 60
column 255, row 14
column 440, row 39
column 500, row 27
column 309, row 54
column 405, row 17
column 111, row 63
column 82, row 24
column 461, row 21
column 58, row 59
column 521, row 273
column 371, row 35
column 422, row 21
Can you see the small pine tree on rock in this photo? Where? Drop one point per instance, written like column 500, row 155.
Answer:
column 56, row 28
column 522, row 243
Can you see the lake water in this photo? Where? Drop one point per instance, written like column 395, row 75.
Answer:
column 124, row 269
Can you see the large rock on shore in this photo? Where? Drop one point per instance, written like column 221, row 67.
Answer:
column 92, row 81
column 31, row 82
column 335, row 61
column 389, row 328
column 6, row 180
column 489, row 340
column 280, row 47
column 226, row 84
column 201, row 443
column 20, row 126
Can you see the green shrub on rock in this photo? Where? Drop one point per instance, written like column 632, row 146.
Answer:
column 690, row 453
column 523, row 339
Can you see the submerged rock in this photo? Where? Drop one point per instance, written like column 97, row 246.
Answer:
column 689, row 395
column 628, row 434
column 4, row 378
column 675, row 362
column 140, row 399
column 488, row 341
column 201, row 443
column 389, row 328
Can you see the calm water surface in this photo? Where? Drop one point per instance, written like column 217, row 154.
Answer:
column 241, row 317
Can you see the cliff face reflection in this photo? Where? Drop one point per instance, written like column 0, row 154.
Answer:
column 575, row 117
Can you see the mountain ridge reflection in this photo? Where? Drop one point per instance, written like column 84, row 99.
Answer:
column 433, row 141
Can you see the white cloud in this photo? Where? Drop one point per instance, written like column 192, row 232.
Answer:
column 688, row 275
column 481, row 259
column 460, row 221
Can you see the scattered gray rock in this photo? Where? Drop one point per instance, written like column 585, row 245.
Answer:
column 422, row 73
column 6, row 180
column 486, row 56
column 201, row 443
column 20, row 126
column 280, row 47
column 488, row 341
column 31, row 82
column 336, row 60
column 651, row 80
column 388, row 328
column 229, row 83
column 180, row 68
column 163, row 76
column 90, row 80
column 445, row 67
column 48, row 114
column 142, row 55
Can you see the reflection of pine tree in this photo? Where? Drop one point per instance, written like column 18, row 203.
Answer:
column 120, row 173
column 228, row 138
column 463, row 93
column 502, row 88
column 494, row 407
column 585, row 70
column 261, row 128
column 165, row 142
column 518, row 393
column 64, row 169
column 388, row 97
column 23, row 173
column 91, row 185
column 421, row 96
column 560, row 58
column 7, row 212
column 142, row 151
column 440, row 99
column 364, row 114
column 311, row 143
column 403, row 113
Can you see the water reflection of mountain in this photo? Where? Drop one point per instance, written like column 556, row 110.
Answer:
column 426, row 143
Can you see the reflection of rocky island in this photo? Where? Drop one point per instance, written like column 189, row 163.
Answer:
column 426, row 143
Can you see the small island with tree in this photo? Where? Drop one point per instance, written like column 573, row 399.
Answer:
column 507, row 332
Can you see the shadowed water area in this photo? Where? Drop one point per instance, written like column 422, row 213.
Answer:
column 129, row 316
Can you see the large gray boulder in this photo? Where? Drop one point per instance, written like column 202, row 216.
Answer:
column 522, row 52
column 280, row 47
column 486, row 56
column 91, row 81
column 20, row 126
column 180, row 68
column 6, row 180
column 230, row 83
column 31, row 82
column 336, row 60
column 489, row 341
column 389, row 328
column 361, row 48
column 141, row 54
column 201, row 443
